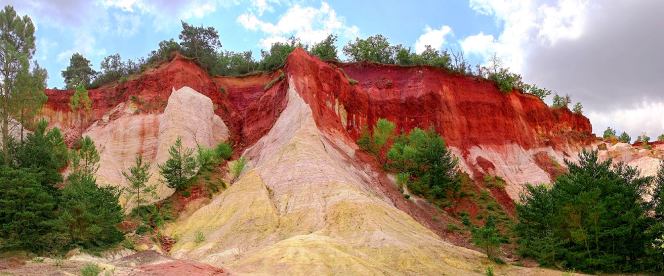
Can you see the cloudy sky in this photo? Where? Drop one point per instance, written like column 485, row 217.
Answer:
column 606, row 54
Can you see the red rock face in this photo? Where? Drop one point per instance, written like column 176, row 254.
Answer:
column 467, row 111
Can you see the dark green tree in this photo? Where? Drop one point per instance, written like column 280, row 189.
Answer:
column 27, row 212
column 29, row 97
column 165, row 51
column 233, row 64
column 432, row 57
column 90, row 214
column 592, row 219
column 85, row 160
column 180, row 167
column 609, row 133
column 45, row 152
column 79, row 72
column 624, row 137
column 80, row 103
column 326, row 50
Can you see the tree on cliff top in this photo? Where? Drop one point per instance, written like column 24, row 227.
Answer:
column 78, row 72
column 326, row 50
column 276, row 56
column 624, row 137
column 609, row 133
column 17, row 46
column 200, row 43
column 374, row 48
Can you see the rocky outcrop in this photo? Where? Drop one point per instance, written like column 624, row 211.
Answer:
column 124, row 132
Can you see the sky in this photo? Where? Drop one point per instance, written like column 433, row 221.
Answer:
column 605, row 54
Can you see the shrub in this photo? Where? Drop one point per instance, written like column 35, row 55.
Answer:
column 624, row 137
column 660, row 138
column 424, row 156
column 199, row 238
column 560, row 102
column 609, row 133
column 326, row 50
column 493, row 181
column 374, row 48
column 373, row 143
column 90, row 269
column 224, row 150
column 505, row 80
column 237, row 167
column 532, row 89
column 578, row 108
column 276, row 56
column 487, row 237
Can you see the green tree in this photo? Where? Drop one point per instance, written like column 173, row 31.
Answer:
column 232, row 63
column 90, row 214
column 592, row 219
column 660, row 138
column 506, row 80
column 424, row 156
column 609, row 133
column 29, row 96
column 17, row 41
column 561, row 101
column 27, row 211
column 45, row 152
column 138, row 176
column 80, row 103
column 279, row 51
column 164, row 52
column 374, row 48
column 578, row 108
column 431, row 57
column 624, row 137
column 326, row 50
column 79, row 72
column 487, row 237
column 383, row 131
column 532, row 89
column 180, row 167
column 85, row 160
column 200, row 43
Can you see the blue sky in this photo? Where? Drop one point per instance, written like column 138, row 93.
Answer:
column 605, row 54
column 107, row 27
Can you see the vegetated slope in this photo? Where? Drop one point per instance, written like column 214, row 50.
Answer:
column 307, row 202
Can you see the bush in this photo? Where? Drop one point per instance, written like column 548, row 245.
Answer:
column 592, row 219
column 373, row 143
column 224, row 150
column 424, row 156
column 505, row 80
column 624, row 137
column 578, row 108
column 237, row 167
column 487, row 237
column 560, row 102
column 374, row 48
column 609, row 133
column 199, row 238
column 90, row 269
column 326, row 50
column 276, row 57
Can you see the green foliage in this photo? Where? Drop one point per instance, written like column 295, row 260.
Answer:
column 609, row 133
column 180, row 167
column 643, row 138
column 374, row 48
column 487, row 237
column 592, row 219
column 29, row 96
column 138, row 176
column 276, row 56
column 90, row 214
column 431, row 57
column 374, row 143
column 18, row 47
column 326, row 50
column 80, row 103
column 234, row 64
column 27, row 211
column 505, row 80
column 152, row 216
column 85, row 160
column 90, row 269
column 494, row 181
column 201, row 44
column 114, row 69
column 44, row 152
column 224, row 150
column 532, row 89
column 624, row 137
column 660, row 138
column 489, row 271
column 199, row 238
column 165, row 51
column 79, row 72
column 237, row 167
column 578, row 108
column 424, row 156
column 560, row 102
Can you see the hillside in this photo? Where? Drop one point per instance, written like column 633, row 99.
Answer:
column 310, row 200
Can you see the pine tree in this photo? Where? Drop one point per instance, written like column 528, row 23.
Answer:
column 487, row 237
column 85, row 160
column 138, row 176
column 180, row 167
column 78, row 73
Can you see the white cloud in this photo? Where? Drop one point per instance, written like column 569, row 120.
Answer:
column 643, row 117
column 524, row 23
column 309, row 24
column 84, row 44
column 127, row 24
column 480, row 44
column 432, row 37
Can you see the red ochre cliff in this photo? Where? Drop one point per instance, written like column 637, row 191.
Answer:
column 469, row 112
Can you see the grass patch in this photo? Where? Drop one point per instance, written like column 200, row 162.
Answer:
column 199, row 238
column 494, row 181
column 90, row 270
